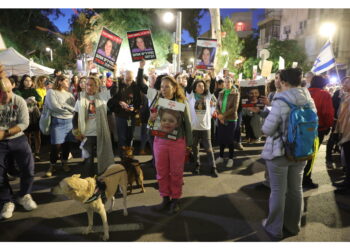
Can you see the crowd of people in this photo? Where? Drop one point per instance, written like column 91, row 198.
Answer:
column 88, row 109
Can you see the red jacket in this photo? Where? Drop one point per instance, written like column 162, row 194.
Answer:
column 324, row 106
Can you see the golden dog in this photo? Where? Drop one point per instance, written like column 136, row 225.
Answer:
column 83, row 190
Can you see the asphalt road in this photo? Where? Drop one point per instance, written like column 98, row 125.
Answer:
column 224, row 209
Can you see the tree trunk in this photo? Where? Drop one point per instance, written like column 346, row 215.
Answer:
column 216, row 34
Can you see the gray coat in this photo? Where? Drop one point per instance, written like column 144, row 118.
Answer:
column 276, row 123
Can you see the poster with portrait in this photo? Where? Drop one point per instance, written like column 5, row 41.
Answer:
column 141, row 45
column 169, row 119
column 251, row 91
column 205, row 53
column 107, row 49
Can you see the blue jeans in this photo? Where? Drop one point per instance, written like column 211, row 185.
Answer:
column 125, row 132
column 20, row 148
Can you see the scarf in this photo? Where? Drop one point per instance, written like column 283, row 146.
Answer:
column 224, row 100
column 105, row 156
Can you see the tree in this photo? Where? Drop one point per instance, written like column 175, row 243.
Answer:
column 230, row 44
column 290, row 50
column 250, row 45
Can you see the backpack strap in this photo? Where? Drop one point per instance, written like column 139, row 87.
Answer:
column 291, row 105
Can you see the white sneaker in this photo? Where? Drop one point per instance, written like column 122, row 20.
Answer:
column 7, row 210
column 229, row 163
column 27, row 202
column 219, row 160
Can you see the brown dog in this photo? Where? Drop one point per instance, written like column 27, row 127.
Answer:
column 133, row 168
column 85, row 191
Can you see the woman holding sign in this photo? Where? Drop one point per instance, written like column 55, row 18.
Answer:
column 169, row 153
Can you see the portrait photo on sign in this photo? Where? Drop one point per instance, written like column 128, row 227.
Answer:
column 205, row 56
column 169, row 119
column 107, row 49
column 252, row 91
column 141, row 45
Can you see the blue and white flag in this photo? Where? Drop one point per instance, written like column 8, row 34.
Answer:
column 325, row 60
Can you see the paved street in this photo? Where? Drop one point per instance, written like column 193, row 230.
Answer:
column 228, row 208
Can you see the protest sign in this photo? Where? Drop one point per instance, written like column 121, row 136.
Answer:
column 250, row 89
column 108, row 49
column 266, row 68
column 205, row 53
column 141, row 45
column 169, row 119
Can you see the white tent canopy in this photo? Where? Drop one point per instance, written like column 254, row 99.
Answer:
column 17, row 64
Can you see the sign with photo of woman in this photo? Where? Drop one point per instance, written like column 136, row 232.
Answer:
column 108, row 49
column 169, row 119
column 141, row 45
column 251, row 91
column 205, row 53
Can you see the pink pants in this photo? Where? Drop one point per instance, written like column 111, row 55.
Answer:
column 170, row 159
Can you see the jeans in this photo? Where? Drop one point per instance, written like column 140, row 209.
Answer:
column 24, row 158
column 286, row 197
column 125, row 132
column 204, row 137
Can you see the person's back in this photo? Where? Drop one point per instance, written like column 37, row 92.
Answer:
column 324, row 106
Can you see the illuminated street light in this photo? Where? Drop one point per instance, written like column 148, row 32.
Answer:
column 168, row 17
column 60, row 39
column 48, row 49
column 328, row 30
column 225, row 53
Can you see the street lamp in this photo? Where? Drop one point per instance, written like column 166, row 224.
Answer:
column 168, row 17
column 48, row 49
column 327, row 30
column 60, row 39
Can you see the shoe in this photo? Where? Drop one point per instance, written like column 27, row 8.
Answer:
column 36, row 157
column 7, row 210
column 51, row 170
column 238, row 146
column 343, row 184
column 174, row 206
column 214, row 173
column 273, row 237
column 195, row 171
column 70, row 156
column 27, row 202
column 309, row 184
column 164, row 205
column 229, row 163
column 219, row 160
column 65, row 166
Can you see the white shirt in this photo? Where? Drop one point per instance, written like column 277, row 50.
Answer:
column 200, row 111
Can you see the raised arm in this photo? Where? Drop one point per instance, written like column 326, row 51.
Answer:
column 189, row 87
column 139, row 79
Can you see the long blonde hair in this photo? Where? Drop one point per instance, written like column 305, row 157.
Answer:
column 39, row 81
column 179, row 92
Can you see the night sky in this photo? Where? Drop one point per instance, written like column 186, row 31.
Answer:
column 63, row 25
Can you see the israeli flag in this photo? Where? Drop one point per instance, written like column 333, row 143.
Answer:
column 325, row 60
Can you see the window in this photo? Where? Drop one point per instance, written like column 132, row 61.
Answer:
column 240, row 26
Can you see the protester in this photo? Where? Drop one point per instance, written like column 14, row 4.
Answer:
column 343, row 130
column 169, row 154
column 27, row 90
column 74, row 86
column 325, row 113
column 15, row 119
column 286, row 198
column 237, row 144
column 81, row 86
column 308, row 77
column 199, row 98
column 61, row 105
column 41, row 89
column 226, row 109
column 91, row 126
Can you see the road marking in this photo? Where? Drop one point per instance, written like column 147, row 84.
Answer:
column 99, row 229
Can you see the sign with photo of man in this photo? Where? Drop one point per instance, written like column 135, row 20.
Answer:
column 251, row 91
column 108, row 49
column 141, row 45
column 205, row 53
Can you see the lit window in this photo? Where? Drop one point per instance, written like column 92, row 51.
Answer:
column 240, row 26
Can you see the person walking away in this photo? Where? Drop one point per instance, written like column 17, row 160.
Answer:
column 61, row 105
column 227, row 106
column 286, row 197
column 14, row 120
column 325, row 113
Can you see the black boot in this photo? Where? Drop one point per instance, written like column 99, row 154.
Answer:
column 195, row 171
column 174, row 206
column 214, row 172
column 164, row 205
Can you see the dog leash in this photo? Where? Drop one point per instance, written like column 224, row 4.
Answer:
column 114, row 173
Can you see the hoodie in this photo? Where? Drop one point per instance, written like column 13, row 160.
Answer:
column 277, row 120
